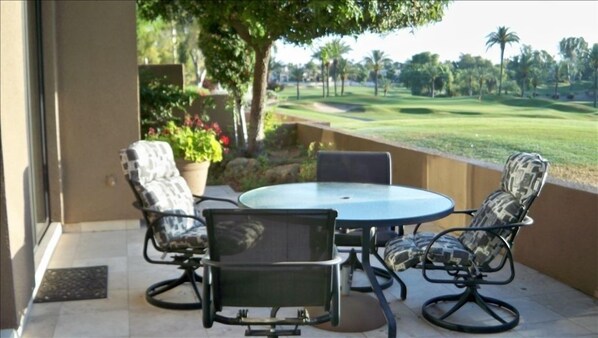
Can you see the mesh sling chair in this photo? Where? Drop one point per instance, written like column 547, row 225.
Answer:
column 482, row 248
column 174, row 225
column 271, row 258
column 360, row 167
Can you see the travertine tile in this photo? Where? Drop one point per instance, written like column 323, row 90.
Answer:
column 548, row 308
column 93, row 324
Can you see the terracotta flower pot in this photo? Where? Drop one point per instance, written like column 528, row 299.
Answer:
column 195, row 173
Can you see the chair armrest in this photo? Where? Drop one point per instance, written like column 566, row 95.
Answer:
column 162, row 214
column 200, row 199
column 456, row 269
column 331, row 262
column 469, row 212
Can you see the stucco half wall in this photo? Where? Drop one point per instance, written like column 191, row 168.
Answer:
column 563, row 241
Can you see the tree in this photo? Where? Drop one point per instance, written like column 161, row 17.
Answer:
column 466, row 72
column 593, row 58
column 375, row 61
column 572, row 50
column 359, row 73
column 557, row 76
column 542, row 65
column 416, row 72
column 501, row 37
column 386, row 84
column 311, row 70
column 483, row 71
column 336, row 49
column 229, row 62
column 297, row 75
column 297, row 22
column 321, row 54
column 522, row 67
column 343, row 71
column 432, row 73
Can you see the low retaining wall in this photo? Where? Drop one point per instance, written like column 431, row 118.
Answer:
column 561, row 243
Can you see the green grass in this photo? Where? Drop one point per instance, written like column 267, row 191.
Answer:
column 566, row 133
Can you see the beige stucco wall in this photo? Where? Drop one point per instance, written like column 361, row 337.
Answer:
column 16, row 258
column 563, row 241
column 91, row 105
column 96, row 70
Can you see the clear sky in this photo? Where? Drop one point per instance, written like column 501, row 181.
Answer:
column 464, row 29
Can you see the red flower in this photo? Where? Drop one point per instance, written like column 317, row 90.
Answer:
column 224, row 140
column 197, row 122
column 216, row 128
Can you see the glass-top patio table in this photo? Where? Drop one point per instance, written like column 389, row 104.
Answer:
column 359, row 205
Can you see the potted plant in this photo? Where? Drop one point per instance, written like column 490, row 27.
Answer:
column 195, row 144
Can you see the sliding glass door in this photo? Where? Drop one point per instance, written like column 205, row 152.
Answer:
column 37, row 130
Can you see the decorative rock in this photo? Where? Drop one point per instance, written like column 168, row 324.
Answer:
column 240, row 167
column 283, row 174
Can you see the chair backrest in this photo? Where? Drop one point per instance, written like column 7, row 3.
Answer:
column 522, row 180
column 151, row 171
column 354, row 166
column 264, row 236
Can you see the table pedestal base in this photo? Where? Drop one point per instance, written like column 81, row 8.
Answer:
column 359, row 313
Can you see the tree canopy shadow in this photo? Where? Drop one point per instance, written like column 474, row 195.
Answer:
column 416, row 111
column 471, row 113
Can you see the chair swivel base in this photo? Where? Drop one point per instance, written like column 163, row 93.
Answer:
column 471, row 295
column 189, row 276
column 355, row 264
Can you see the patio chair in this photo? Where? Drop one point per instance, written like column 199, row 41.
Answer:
column 262, row 259
column 475, row 252
column 361, row 167
column 174, row 225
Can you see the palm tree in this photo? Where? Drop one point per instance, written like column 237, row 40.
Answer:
column 322, row 55
column 374, row 62
column 343, row 72
column 297, row 74
column 501, row 37
column 336, row 49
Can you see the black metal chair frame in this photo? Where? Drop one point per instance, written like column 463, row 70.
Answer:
column 187, row 260
column 353, row 238
column 210, row 315
column 462, row 277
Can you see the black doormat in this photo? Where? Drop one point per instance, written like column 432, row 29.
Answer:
column 60, row 285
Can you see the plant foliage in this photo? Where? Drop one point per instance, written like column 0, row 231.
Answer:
column 299, row 22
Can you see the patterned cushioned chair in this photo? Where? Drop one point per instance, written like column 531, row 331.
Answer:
column 361, row 167
column 174, row 223
column 484, row 247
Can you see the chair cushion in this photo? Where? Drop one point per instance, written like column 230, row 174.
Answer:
column 145, row 161
column 236, row 237
column 196, row 238
column 523, row 176
column 405, row 252
column 499, row 208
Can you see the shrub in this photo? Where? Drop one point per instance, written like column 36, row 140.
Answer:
column 158, row 99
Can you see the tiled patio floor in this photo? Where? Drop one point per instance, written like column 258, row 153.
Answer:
column 548, row 308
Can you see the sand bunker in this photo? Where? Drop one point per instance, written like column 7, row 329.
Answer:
column 336, row 108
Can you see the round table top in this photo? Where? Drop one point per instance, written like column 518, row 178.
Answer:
column 357, row 204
